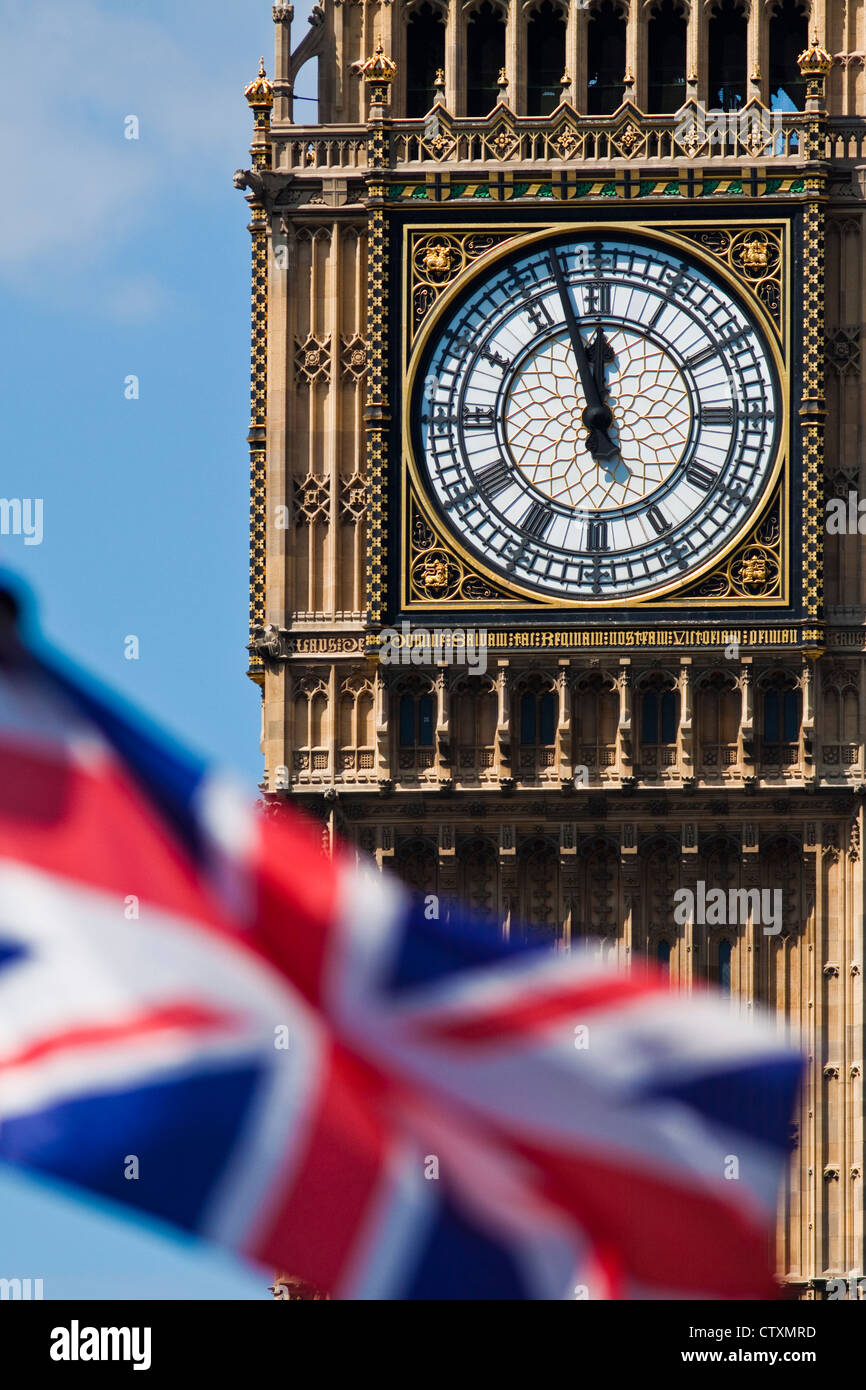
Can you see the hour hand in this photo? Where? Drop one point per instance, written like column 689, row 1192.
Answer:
column 601, row 353
column 599, row 442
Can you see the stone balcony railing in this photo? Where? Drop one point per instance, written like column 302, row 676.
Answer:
column 567, row 139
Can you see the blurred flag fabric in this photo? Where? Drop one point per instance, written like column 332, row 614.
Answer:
column 205, row 1016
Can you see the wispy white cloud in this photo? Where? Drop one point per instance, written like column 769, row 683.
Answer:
column 77, row 191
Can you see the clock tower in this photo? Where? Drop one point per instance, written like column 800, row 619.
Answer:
column 557, row 589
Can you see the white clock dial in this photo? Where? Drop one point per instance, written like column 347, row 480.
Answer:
column 598, row 417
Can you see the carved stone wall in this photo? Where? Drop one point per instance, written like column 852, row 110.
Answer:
column 591, row 830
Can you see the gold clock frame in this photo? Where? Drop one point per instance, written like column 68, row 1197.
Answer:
column 753, row 567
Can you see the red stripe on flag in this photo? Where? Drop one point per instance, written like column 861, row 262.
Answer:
column 530, row 1015
column 94, row 827
column 297, row 900
column 668, row 1235
column 314, row 1231
column 190, row 1018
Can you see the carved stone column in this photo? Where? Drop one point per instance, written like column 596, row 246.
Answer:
column 577, row 37
column 283, row 16
column 757, row 26
column 385, row 846
column 569, row 911
column 503, row 720
column 508, row 886
column 810, row 762
column 455, row 59
column 635, row 53
column 447, row 867
column 686, row 723
column 690, row 948
column 696, row 79
column 444, row 767
column 515, row 58
column 624, row 730
column 752, row 947
column 852, row 1026
column 630, row 867
column 563, row 722
column 380, row 714
column 747, row 724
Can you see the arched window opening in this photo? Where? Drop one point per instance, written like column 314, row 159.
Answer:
column 666, row 58
column 780, row 721
column 302, row 721
column 356, row 729
column 473, row 719
column 658, row 727
column 347, row 720
column 416, row 720
column 781, row 716
column 596, row 718
column 537, row 718
column 318, row 712
column 840, row 726
column 305, row 93
column 485, row 58
column 727, row 56
column 663, row 956
column 605, row 59
column 416, row 725
column 718, row 709
column 725, row 951
column 538, row 710
column 311, row 752
column 425, row 55
column 789, row 36
column 545, row 48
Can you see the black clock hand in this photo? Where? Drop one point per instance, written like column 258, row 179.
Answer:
column 596, row 416
column 602, row 352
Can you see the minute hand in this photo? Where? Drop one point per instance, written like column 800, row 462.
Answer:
column 596, row 415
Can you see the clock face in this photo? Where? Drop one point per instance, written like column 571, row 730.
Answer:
column 597, row 418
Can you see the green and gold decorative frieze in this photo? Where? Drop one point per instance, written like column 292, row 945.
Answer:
column 571, row 185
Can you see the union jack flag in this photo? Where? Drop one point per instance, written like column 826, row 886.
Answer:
column 308, row 1070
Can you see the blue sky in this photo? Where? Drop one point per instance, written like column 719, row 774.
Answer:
column 122, row 257
column 119, row 258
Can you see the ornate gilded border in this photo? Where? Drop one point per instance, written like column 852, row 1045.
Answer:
column 812, row 409
column 376, row 411
column 257, row 437
column 756, row 565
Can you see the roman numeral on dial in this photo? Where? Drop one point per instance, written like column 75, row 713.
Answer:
column 701, row 476
column 537, row 312
column 657, row 520
column 715, row 415
column 495, row 358
column 537, row 520
column 478, row 417
column 700, row 358
column 494, row 477
column 598, row 297
column 596, row 535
